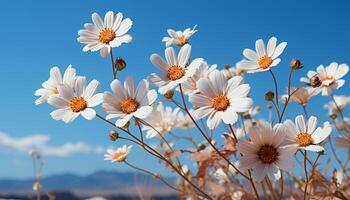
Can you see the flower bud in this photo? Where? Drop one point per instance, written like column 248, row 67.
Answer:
column 127, row 124
column 120, row 64
column 269, row 106
column 113, row 135
column 269, row 96
column 258, row 108
column 315, row 82
column 227, row 66
column 201, row 146
column 169, row 94
column 296, row 64
column 333, row 116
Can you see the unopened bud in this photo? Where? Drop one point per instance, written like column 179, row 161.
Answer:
column 127, row 124
column 269, row 106
column 247, row 116
column 269, row 96
column 227, row 66
column 169, row 94
column 296, row 64
column 120, row 64
column 155, row 175
column 201, row 146
column 333, row 116
column 258, row 108
column 315, row 82
column 113, row 135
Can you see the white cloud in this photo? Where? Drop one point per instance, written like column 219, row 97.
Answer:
column 40, row 143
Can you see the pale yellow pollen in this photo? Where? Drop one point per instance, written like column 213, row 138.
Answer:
column 106, row 35
column 182, row 40
column 119, row 156
column 78, row 104
column 268, row 154
column 220, row 103
column 304, row 139
column 54, row 91
column 175, row 72
column 328, row 78
column 265, row 62
column 128, row 106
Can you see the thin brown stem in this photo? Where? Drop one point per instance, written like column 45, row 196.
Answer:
column 306, row 175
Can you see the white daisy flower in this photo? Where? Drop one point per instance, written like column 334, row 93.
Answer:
column 55, row 80
column 203, row 71
column 179, row 38
column 176, row 69
column 341, row 103
column 128, row 101
column 220, row 99
column 118, row 155
column 300, row 95
column 264, row 58
column 105, row 34
column 266, row 152
column 327, row 78
column 183, row 120
column 161, row 120
column 233, row 71
column 221, row 176
column 307, row 135
column 71, row 102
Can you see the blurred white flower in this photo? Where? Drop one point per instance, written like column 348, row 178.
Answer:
column 233, row 71
column 176, row 69
column 221, row 176
column 36, row 186
column 183, row 120
column 105, row 34
column 203, row 71
column 220, row 99
column 266, row 152
column 71, row 102
column 300, row 95
column 340, row 103
column 118, row 155
column 128, row 101
column 326, row 79
column 307, row 135
column 264, row 58
column 179, row 38
column 50, row 87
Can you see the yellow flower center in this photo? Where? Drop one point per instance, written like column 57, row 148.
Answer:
column 106, row 35
column 128, row 106
column 119, row 156
column 54, row 91
column 182, row 40
column 78, row 104
column 328, row 78
column 268, row 154
column 304, row 139
column 175, row 72
column 265, row 62
column 220, row 103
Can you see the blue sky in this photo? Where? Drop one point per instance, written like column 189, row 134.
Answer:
column 36, row 36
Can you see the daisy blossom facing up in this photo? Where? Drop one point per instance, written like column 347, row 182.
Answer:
column 203, row 71
column 264, row 58
column 105, row 34
column 266, row 152
column 327, row 78
column 72, row 102
column 118, row 155
column 176, row 69
column 128, row 101
column 179, row 38
column 50, row 86
column 339, row 105
column 161, row 120
column 307, row 135
column 220, row 99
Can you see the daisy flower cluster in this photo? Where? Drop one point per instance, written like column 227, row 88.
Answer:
column 192, row 111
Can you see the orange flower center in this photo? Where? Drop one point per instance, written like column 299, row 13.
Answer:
column 119, row 156
column 220, row 103
column 106, row 35
column 128, row 106
column 265, row 62
column 182, row 40
column 328, row 78
column 304, row 139
column 54, row 91
column 175, row 72
column 78, row 104
column 268, row 154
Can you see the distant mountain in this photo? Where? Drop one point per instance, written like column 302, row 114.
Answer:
column 98, row 183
